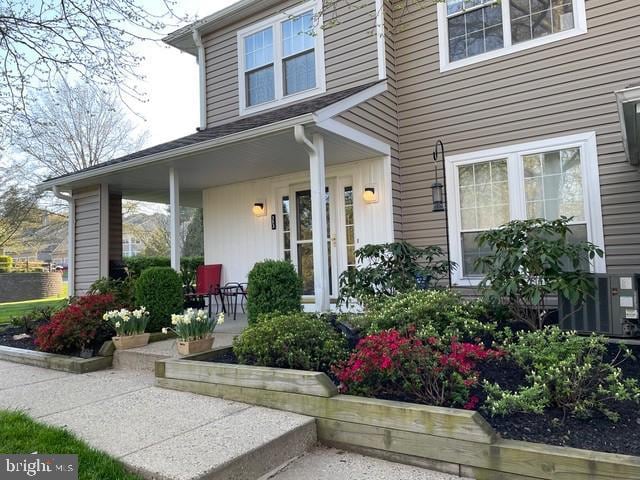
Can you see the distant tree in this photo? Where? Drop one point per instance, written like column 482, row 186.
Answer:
column 72, row 128
column 17, row 207
column 194, row 237
column 90, row 40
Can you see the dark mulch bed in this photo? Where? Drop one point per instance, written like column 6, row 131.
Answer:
column 7, row 340
column 554, row 428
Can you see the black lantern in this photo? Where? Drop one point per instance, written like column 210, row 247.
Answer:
column 437, row 189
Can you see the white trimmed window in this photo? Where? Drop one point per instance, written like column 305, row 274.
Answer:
column 471, row 31
column 281, row 60
column 546, row 179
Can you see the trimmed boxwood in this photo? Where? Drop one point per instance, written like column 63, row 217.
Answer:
column 159, row 289
column 301, row 341
column 274, row 287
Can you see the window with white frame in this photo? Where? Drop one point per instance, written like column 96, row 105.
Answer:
column 281, row 60
column 476, row 30
column 547, row 179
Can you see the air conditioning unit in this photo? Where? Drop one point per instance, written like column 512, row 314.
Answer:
column 612, row 310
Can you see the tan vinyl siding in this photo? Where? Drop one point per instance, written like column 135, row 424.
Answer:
column 377, row 117
column 87, row 238
column 350, row 55
column 549, row 91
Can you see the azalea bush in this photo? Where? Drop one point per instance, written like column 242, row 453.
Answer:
column 567, row 371
column 437, row 312
column 127, row 323
column 78, row 326
column 302, row 341
column 194, row 325
column 393, row 365
column 123, row 290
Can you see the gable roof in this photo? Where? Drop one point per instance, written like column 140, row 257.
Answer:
column 243, row 124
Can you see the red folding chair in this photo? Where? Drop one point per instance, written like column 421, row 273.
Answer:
column 208, row 286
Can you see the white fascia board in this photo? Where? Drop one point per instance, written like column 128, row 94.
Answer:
column 349, row 102
column 339, row 128
column 170, row 154
column 380, row 39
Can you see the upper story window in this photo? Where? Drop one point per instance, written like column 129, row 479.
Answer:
column 545, row 179
column 281, row 60
column 475, row 30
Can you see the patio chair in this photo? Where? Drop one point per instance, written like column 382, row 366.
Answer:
column 232, row 293
column 207, row 287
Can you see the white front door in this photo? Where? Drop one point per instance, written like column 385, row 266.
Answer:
column 296, row 233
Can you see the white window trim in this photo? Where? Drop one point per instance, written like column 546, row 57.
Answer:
column 276, row 23
column 590, row 184
column 580, row 27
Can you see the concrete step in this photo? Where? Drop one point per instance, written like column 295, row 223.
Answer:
column 144, row 358
column 244, row 446
column 324, row 463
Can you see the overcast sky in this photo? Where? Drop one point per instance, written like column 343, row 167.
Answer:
column 172, row 83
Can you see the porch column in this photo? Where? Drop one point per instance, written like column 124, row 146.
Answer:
column 174, row 220
column 319, row 224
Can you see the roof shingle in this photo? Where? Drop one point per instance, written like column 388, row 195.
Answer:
column 237, row 126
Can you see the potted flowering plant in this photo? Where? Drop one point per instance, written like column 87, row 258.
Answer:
column 194, row 329
column 129, row 327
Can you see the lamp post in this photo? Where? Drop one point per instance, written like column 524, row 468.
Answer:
column 438, row 194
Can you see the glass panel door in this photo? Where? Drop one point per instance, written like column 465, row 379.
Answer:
column 297, row 236
column 304, row 240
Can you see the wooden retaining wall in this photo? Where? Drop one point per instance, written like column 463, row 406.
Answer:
column 451, row 440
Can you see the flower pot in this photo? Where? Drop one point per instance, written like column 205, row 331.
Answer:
column 195, row 346
column 130, row 341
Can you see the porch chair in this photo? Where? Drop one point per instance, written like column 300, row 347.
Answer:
column 207, row 287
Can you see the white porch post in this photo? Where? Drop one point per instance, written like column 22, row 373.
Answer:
column 174, row 220
column 319, row 224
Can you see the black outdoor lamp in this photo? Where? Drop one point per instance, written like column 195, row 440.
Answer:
column 437, row 189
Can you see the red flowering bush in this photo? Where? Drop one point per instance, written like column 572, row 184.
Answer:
column 76, row 326
column 395, row 366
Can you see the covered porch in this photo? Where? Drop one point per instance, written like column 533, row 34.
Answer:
column 308, row 189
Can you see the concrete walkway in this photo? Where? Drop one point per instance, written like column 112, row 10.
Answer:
column 165, row 434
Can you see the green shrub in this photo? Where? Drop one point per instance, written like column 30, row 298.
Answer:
column 564, row 370
column 274, row 287
column 159, row 290
column 188, row 266
column 533, row 260
column 389, row 269
column 29, row 321
column 297, row 340
column 6, row 263
column 441, row 313
column 136, row 265
column 122, row 290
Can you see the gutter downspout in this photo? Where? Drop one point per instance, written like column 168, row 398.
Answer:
column 71, row 254
column 202, row 79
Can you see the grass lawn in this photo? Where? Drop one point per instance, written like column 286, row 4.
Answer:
column 20, row 434
column 14, row 309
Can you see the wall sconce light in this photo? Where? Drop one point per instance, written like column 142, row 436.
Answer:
column 259, row 209
column 369, row 195
column 437, row 189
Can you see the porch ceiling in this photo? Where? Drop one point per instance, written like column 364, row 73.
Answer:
column 252, row 158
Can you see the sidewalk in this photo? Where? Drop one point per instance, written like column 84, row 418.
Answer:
column 166, row 434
